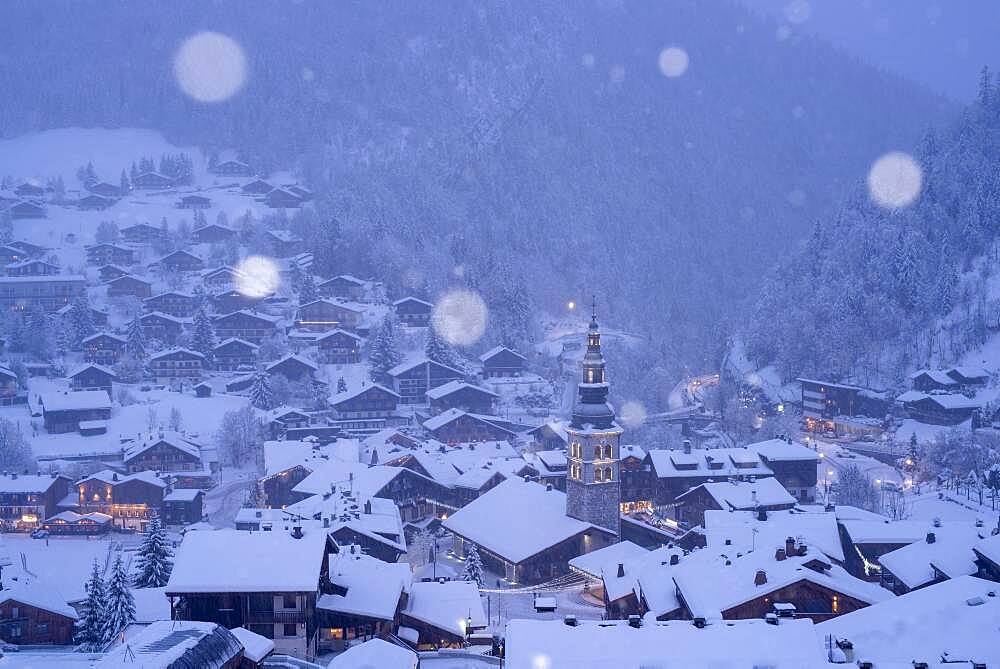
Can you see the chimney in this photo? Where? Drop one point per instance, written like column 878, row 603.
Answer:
column 803, row 548
column 687, row 446
column 548, row 486
column 760, row 578
column 771, row 618
column 753, row 497
column 634, row 621
column 829, row 508
column 675, row 559
column 762, row 514
column 621, row 570
column 937, row 522
column 729, row 542
column 699, row 622
column 570, row 621
column 297, row 532
column 866, row 664
column 368, row 507
column 114, row 477
column 931, row 538
column 13, row 475
column 789, row 545
column 326, row 522
column 779, row 555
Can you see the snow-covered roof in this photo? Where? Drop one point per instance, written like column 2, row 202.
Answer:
column 956, row 618
column 166, row 644
column 886, row 531
column 911, row 396
column 353, row 476
column 599, row 644
column 407, row 365
column 939, row 376
column 375, row 517
column 451, row 415
column 970, row 372
column 282, row 455
column 375, row 653
column 255, row 646
column 163, row 316
column 37, row 594
column 99, row 335
column 989, row 548
column 250, row 314
column 744, row 531
column 476, row 477
column 21, row 483
column 955, row 401
column 198, row 567
column 340, row 398
column 235, row 340
column 183, row 495
column 284, row 236
column 410, row 298
column 499, row 349
column 950, row 553
column 593, row 562
column 81, row 400
column 781, row 450
column 678, row 464
column 454, row 386
column 338, row 332
column 373, row 586
column 74, row 517
column 114, row 478
column 173, row 351
column 181, row 442
column 446, row 606
column 293, row 358
column 516, row 520
column 739, row 495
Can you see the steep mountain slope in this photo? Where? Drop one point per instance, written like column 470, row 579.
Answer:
column 537, row 146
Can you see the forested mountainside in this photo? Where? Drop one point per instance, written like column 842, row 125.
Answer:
column 533, row 146
column 873, row 293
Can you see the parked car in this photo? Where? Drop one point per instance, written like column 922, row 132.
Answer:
column 40, row 533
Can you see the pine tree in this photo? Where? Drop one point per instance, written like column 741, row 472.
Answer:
column 81, row 320
column 120, row 610
column 384, row 355
column 261, row 394
column 90, row 627
column 307, row 288
column 474, row 571
column 135, row 344
column 124, row 185
column 203, row 337
column 154, row 557
column 436, row 349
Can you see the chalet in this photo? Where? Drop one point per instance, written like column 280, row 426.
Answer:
column 825, row 401
column 283, row 243
column 868, row 536
column 26, row 499
column 339, row 347
column 174, row 644
column 130, row 500
column 461, row 395
column 221, row 278
column 457, row 426
column 29, row 189
column 27, row 249
column 430, row 612
column 344, row 287
column 108, row 272
column 765, row 494
column 104, row 189
column 34, row 614
column 95, row 202
column 231, row 168
column 502, row 362
column 75, row 524
column 550, row 436
column 536, row 548
column 26, row 209
column 295, row 189
column 203, row 389
column 969, row 377
column 793, row 464
column 945, row 552
column 256, row 187
column 413, row 311
column 194, row 202
column 181, row 305
column 278, row 420
column 33, row 267
column 234, row 354
column 152, row 181
column 279, row 604
column 8, row 386
column 411, row 380
column 213, row 233
column 326, row 315
column 98, row 317
column 142, row 233
column 281, row 198
column 933, row 379
column 233, row 300
column 10, row 254
column 375, row 653
column 110, row 254
column 551, row 467
column 63, row 412
column 246, row 325
column 352, row 609
column 92, row 376
column 164, row 451
column 368, row 401
column 177, row 363
column 987, row 552
column 129, row 286
column 939, row 408
column 183, row 506
column 181, row 261
column 162, row 327
column 293, row 368
column 22, row 292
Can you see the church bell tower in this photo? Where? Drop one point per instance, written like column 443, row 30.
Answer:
column 593, row 488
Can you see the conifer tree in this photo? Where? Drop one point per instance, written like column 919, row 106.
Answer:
column 307, row 288
column 135, row 344
column 384, row 355
column 261, row 393
column 203, row 337
column 438, row 350
column 120, row 609
column 474, row 570
column 124, row 185
column 154, row 557
column 81, row 320
column 90, row 627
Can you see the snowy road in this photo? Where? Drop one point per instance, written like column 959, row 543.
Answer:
column 223, row 501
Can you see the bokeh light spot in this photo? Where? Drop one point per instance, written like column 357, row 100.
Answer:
column 258, row 276
column 798, row 11
column 210, row 67
column 632, row 414
column 459, row 317
column 673, row 61
column 895, row 180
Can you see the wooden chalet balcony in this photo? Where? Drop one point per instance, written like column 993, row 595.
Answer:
column 276, row 617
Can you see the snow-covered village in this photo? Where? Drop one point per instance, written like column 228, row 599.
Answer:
column 528, row 335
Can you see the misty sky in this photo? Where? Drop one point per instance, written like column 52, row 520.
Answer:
column 925, row 40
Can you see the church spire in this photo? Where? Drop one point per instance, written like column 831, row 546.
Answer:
column 592, row 401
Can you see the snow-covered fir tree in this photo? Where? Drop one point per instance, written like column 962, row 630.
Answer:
column 203, row 336
column 90, row 627
column 261, row 394
column 15, row 449
column 474, row 570
column 119, row 611
column 81, row 320
column 307, row 288
column 438, row 350
column 135, row 343
column 384, row 353
column 154, row 561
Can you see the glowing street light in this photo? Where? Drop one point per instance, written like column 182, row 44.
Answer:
column 571, row 305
